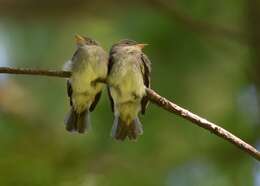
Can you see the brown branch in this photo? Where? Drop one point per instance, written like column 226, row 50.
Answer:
column 161, row 102
column 201, row 122
column 27, row 71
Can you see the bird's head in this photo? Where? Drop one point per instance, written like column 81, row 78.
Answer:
column 129, row 45
column 82, row 41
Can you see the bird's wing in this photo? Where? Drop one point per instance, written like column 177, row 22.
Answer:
column 146, row 71
column 69, row 88
column 95, row 102
column 75, row 55
column 110, row 64
column 110, row 99
column 69, row 64
column 69, row 91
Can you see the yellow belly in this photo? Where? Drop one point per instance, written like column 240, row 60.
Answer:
column 84, row 91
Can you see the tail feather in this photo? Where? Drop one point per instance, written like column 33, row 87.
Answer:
column 122, row 134
column 83, row 121
column 135, row 129
column 71, row 121
column 77, row 122
column 118, row 129
column 121, row 129
column 115, row 126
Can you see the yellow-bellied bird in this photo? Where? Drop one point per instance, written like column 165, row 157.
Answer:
column 128, row 74
column 88, row 65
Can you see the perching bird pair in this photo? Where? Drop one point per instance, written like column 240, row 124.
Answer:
column 126, row 71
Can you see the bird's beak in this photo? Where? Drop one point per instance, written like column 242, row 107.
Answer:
column 79, row 39
column 141, row 46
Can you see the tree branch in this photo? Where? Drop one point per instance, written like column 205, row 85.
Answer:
column 161, row 102
column 27, row 71
column 201, row 122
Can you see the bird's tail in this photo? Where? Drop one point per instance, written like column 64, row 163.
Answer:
column 121, row 129
column 77, row 122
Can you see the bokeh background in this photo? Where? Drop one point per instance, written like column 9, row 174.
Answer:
column 205, row 56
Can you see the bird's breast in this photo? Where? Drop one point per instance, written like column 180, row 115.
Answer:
column 126, row 80
column 87, row 70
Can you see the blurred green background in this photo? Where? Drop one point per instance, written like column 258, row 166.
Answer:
column 205, row 56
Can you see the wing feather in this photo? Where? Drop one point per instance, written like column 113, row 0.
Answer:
column 110, row 65
column 95, row 102
column 146, row 77
column 69, row 91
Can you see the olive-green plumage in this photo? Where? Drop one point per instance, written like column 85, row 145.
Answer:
column 129, row 73
column 88, row 64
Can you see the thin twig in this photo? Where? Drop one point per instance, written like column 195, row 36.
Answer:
column 201, row 122
column 27, row 71
column 161, row 102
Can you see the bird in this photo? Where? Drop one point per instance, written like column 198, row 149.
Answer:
column 128, row 74
column 88, row 65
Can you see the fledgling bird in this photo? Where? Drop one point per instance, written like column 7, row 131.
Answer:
column 128, row 74
column 88, row 65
